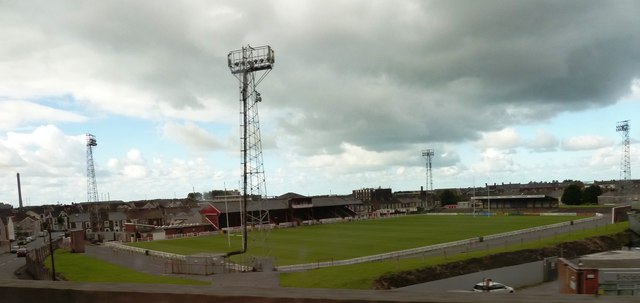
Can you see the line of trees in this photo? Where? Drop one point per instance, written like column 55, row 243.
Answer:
column 577, row 194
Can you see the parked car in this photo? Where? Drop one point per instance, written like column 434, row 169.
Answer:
column 29, row 239
column 491, row 286
column 14, row 249
column 22, row 252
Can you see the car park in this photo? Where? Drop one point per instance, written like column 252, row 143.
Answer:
column 490, row 286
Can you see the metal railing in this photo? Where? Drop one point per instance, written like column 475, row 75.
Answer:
column 138, row 250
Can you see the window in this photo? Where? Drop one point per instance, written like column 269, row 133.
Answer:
column 106, row 224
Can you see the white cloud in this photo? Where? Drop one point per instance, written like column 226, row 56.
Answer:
column 587, row 142
column 506, row 138
column 544, row 141
column 351, row 158
column 635, row 88
column 494, row 161
column 356, row 110
column 16, row 113
column 133, row 166
column 191, row 135
column 47, row 150
column 50, row 164
column 607, row 157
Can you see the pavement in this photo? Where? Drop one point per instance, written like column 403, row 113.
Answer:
column 548, row 288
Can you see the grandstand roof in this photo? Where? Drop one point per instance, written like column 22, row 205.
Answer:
column 513, row 197
column 281, row 203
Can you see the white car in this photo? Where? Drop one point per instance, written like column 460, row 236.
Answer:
column 490, row 286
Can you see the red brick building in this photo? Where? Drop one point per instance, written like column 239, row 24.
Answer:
column 607, row 273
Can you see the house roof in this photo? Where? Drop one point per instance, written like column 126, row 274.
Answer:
column 143, row 213
column 609, row 259
column 514, row 197
column 335, row 201
column 116, row 215
column 290, row 195
column 79, row 217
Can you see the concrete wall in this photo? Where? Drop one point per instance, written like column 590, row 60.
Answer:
column 512, row 276
column 19, row 291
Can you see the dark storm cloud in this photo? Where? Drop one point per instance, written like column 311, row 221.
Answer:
column 382, row 75
column 452, row 68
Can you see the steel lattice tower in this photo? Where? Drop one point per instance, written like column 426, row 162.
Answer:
column 92, row 187
column 625, row 164
column 250, row 65
column 428, row 154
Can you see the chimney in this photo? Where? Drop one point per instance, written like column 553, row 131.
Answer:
column 19, row 190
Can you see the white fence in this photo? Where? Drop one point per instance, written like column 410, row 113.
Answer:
column 138, row 250
column 430, row 248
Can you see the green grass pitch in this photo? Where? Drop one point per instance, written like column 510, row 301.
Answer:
column 358, row 238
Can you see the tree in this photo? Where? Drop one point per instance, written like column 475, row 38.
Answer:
column 194, row 196
column 448, row 197
column 572, row 195
column 590, row 194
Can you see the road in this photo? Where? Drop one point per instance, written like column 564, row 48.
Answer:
column 10, row 263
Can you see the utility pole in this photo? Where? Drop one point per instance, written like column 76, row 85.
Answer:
column 53, row 265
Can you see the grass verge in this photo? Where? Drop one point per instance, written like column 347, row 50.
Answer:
column 83, row 268
column 361, row 276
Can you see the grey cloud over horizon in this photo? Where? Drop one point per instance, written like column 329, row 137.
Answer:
column 379, row 75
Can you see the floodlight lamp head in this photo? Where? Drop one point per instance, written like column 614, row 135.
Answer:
column 622, row 126
column 250, row 59
column 91, row 140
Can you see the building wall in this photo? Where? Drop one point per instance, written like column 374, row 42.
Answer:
column 566, row 277
column 619, row 281
column 576, row 280
column 589, row 281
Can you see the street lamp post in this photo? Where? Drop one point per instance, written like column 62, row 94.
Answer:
column 53, row 266
column 489, row 199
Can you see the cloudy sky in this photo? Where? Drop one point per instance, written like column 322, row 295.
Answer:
column 503, row 91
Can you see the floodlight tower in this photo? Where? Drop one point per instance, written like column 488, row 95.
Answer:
column 92, row 187
column 625, row 168
column 250, row 65
column 428, row 154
